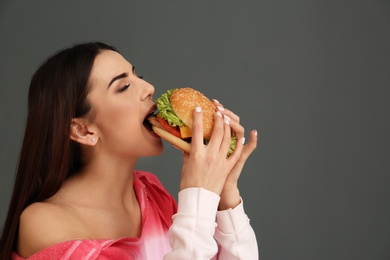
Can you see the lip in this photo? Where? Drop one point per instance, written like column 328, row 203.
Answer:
column 150, row 111
column 146, row 123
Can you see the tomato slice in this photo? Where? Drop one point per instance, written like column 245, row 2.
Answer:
column 173, row 130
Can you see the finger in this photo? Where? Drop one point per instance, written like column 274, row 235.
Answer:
column 217, row 103
column 235, row 156
column 197, row 128
column 237, row 129
column 217, row 134
column 245, row 152
column 250, row 147
column 226, row 137
column 226, row 111
column 230, row 114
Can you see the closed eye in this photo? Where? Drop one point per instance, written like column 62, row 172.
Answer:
column 123, row 88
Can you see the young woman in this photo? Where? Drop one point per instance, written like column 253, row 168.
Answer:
column 77, row 195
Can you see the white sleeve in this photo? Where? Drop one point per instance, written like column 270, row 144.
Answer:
column 235, row 236
column 191, row 234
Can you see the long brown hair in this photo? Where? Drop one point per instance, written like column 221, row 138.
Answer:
column 58, row 92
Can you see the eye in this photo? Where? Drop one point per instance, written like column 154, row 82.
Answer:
column 123, row 88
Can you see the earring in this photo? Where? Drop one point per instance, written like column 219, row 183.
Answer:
column 93, row 139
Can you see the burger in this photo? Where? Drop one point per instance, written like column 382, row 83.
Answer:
column 172, row 120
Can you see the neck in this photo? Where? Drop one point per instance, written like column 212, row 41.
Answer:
column 105, row 181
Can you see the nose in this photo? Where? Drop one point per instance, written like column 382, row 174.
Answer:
column 147, row 90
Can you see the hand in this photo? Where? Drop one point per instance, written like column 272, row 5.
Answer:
column 206, row 165
column 230, row 196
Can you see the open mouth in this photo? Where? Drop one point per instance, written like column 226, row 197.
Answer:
column 152, row 112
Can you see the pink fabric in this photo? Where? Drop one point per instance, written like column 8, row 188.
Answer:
column 157, row 208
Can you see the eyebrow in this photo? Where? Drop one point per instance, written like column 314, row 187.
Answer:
column 120, row 76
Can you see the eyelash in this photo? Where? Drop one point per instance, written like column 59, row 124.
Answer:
column 128, row 85
column 123, row 88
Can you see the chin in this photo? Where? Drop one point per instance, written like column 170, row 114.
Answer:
column 158, row 152
column 155, row 150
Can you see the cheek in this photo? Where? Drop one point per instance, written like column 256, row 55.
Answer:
column 120, row 136
column 117, row 122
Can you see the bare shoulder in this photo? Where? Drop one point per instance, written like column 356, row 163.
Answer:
column 41, row 225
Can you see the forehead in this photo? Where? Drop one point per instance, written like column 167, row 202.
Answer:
column 107, row 65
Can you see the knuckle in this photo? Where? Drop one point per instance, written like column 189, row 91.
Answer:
column 239, row 131
column 210, row 159
column 253, row 145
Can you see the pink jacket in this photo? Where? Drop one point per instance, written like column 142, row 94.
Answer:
column 194, row 230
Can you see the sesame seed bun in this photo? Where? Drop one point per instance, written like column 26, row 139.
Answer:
column 185, row 100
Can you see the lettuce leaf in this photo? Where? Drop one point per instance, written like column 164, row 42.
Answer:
column 233, row 142
column 166, row 111
column 232, row 146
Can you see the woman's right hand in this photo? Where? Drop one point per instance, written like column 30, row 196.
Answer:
column 207, row 166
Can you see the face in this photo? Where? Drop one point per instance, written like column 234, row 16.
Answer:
column 121, row 101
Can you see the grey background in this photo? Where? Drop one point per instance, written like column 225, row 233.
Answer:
column 311, row 76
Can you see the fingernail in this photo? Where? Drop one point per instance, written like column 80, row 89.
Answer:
column 226, row 119
column 243, row 140
column 220, row 108
column 219, row 114
column 216, row 100
column 198, row 109
column 255, row 132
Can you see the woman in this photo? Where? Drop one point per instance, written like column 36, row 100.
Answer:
column 77, row 195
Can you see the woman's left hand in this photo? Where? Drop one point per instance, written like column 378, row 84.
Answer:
column 230, row 196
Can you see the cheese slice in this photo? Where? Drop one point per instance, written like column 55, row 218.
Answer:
column 185, row 132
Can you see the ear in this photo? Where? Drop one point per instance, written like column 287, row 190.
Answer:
column 82, row 132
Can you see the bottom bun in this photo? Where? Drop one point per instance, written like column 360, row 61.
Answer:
column 174, row 140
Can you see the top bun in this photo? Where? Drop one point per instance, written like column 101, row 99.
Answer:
column 185, row 100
